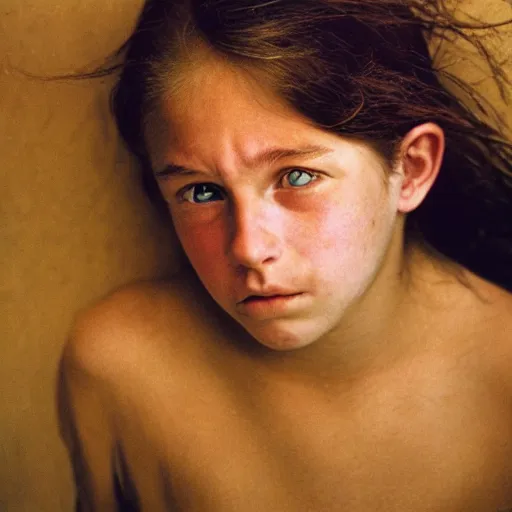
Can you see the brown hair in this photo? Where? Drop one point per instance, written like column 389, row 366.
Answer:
column 358, row 68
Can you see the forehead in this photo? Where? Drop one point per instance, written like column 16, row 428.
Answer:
column 212, row 99
column 218, row 116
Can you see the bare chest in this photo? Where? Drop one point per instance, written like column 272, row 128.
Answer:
column 445, row 449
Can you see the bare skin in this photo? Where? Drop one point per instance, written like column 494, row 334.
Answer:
column 318, row 364
column 206, row 420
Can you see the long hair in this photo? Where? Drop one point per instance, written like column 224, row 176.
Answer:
column 357, row 68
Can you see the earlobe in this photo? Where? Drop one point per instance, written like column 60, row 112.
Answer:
column 422, row 151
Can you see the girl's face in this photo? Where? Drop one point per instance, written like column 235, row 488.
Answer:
column 288, row 227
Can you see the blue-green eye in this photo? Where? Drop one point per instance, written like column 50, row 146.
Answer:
column 202, row 193
column 299, row 178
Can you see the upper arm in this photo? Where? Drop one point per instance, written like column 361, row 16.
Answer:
column 85, row 415
column 99, row 374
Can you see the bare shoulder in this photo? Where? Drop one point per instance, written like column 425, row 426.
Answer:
column 500, row 329
column 494, row 307
column 130, row 319
column 494, row 337
column 132, row 322
column 110, row 339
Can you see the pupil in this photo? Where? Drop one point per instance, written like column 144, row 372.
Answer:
column 203, row 194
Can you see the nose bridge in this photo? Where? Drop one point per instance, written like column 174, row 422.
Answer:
column 255, row 227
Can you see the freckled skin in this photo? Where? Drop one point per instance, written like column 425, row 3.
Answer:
column 328, row 239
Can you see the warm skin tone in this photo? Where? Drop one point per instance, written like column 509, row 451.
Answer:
column 383, row 384
column 334, row 236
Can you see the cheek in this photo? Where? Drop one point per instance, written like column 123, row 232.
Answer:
column 339, row 229
column 344, row 243
column 203, row 244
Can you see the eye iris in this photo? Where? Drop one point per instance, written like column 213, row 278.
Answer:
column 202, row 194
column 299, row 178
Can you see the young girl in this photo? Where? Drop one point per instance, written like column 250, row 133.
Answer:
column 341, row 340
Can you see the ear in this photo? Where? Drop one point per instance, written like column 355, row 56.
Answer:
column 421, row 156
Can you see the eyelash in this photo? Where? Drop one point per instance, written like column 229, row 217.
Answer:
column 314, row 176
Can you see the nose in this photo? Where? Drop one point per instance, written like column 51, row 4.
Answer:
column 255, row 239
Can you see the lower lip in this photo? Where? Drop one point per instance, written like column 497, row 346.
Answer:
column 269, row 305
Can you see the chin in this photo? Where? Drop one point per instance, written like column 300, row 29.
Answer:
column 283, row 340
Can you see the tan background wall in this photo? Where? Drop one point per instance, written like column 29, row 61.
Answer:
column 73, row 222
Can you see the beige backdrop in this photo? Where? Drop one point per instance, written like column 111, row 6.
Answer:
column 73, row 221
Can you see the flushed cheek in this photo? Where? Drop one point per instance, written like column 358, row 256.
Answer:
column 204, row 246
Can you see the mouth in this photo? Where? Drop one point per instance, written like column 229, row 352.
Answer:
column 268, row 298
column 270, row 306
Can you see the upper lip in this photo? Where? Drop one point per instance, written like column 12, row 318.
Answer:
column 269, row 292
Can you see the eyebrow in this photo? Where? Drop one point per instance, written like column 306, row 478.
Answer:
column 266, row 157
